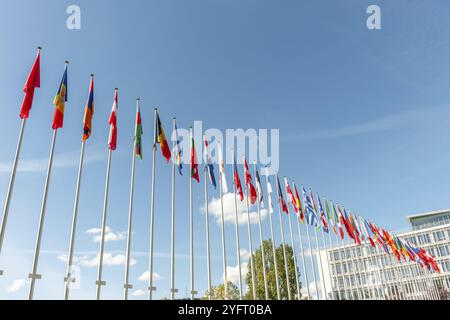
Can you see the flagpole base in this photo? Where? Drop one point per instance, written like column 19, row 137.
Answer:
column 35, row 276
column 100, row 283
column 128, row 286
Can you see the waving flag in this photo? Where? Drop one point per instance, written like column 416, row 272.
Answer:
column 194, row 162
column 33, row 82
column 309, row 209
column 329, row 217
column 281, row 201
column 299, row 204
column 223, row 175
column 161, row 139
column 269, row 192
column 322, row 215
column 112, row 140
column 341, row 222
column 138, row 133
column 356, row 232
column 259, row 188
column 88, row 111
column 248, row 182
column 177, row 150
column 290, row 195
column 369, row 232
column 237, row 181
column 60, row 101
column 348, row 225
column 209, row 165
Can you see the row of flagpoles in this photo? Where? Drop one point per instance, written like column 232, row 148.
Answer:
column 317, row 212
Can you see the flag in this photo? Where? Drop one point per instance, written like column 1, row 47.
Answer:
column 88, row 112
column 356, row 232
column 248, row 181
column 194, row 162
column 290, row 195
column 269, row 192
column 322, row 215
column 341, row 222
column 112, row 140
column 259, row 188
column 237, row 181
column 138, row 134
column 299, row 204
column 348, row 225
column 329, row 216
column 161, row 139
column 281, row 202
column 210, row 166
column 33, row 82
column 369, row 232
column 223, row 175
column 312, row 201
column 59, row 101
column 309, row 209
column 177, row 151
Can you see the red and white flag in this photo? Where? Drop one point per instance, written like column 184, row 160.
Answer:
column 112, row 140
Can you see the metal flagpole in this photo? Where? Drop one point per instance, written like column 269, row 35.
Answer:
column 191, row 227
column 222, row 220
column 321, row 266
column 303, row 256
column 349, row 292
column 263, row 259
column 11, row 185
column 249, row 230
column 372, row 277
column 99, row 281
column 312, row 263
column 383, row 275
column 354, row 261
column 34, row 275
column 208, row 250
column 274, row 251
column 337, row 294
column 282, row 241
column 329, row 265
column 380, row 282
column 294, row 256
column 151, row 288
column 172, row 241
column 238, row 245
column 127, row 285
column 68, row 279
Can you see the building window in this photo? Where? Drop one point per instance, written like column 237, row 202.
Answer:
column 424, row 239
column 445, row 265
column 443, row 251
column 439, row 235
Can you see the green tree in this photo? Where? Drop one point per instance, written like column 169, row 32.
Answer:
column 270, row 272
column 218, row 292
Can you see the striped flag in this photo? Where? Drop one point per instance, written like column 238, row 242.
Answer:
column 209, row 165
column 194, row 162
column 281, row 202
column 310, row 213
column 259, row 188
column 249, row 183
column 299, row 204
column 33, row 82
column 237, row 181
column 59, row 101
column 322, row 215
column 88, row 112
column 337, row 220
column 112, row 140
column 161, row 139
column 290, row 195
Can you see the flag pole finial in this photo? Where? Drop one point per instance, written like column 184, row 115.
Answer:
column 66, row 62
column 138, row 99
column 91, row 75
column 116, row 88
column 39, row 48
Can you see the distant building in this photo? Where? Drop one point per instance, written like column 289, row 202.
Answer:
column 362, row 272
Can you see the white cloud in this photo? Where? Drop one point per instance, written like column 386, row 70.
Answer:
column 138, row 293
column 17, row 285
column 110, row 235
column 109, row 259
column 146, row 276
column 233, row 273
column 62, row 160
column 229, row 209
column 312, row 290
column 245, row 254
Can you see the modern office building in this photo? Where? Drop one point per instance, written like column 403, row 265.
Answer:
column 363, row 272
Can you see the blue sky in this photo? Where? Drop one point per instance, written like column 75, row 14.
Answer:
column 363, row 118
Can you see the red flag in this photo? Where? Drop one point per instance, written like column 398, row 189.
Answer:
column 237, row 182
column 290, row 195
column 33, row 82
column 248, row 182
column 112, row 140
column 194, row 162
column 281, row 198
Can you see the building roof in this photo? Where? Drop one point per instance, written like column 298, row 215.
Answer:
column 426, row 214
